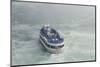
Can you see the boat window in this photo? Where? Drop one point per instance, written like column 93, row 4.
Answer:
column 60, row 46
column 55, row 46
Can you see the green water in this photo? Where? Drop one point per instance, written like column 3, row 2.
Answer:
column 76, row 24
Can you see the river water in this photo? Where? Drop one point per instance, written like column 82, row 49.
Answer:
column 76, row 24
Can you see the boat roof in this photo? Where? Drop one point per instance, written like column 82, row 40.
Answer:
column 54, row 39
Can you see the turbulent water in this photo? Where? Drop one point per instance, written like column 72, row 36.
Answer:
column 76, row 24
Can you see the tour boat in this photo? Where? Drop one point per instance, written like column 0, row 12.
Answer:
column 51, row 39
